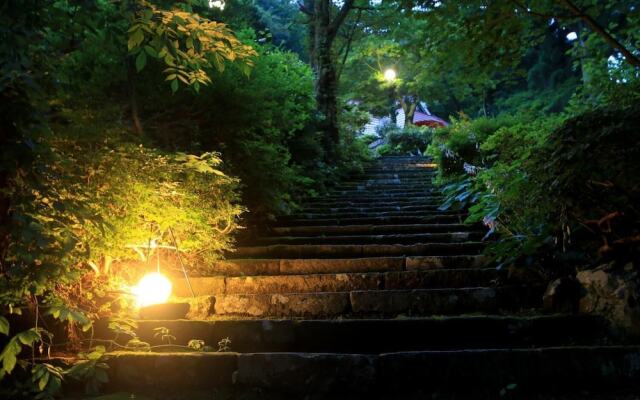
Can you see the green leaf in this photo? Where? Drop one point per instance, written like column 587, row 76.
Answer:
column 174, row 85
column 151, row 51
column 135, row 38
column 28, row 338
column 97, row 353
column 141, row 61
column 4, row 326
column 42, row 383
column 9, row 355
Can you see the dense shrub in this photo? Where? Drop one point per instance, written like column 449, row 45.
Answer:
column 100, row 193
column 263, row 126
column 559, row 188
column 587, row 167
column 409, row 140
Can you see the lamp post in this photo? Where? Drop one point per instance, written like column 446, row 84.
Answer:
column 390, row 77
column 154, row 289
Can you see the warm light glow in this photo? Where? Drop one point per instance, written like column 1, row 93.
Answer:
column 390, row 75
column 153, row 288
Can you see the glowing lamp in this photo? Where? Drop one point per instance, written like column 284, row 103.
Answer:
column 153, row 288
column 390, row 75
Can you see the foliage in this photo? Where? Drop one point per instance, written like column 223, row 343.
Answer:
column 263, row 124
column 187, row 43
column 76, row 188
column 557, row 189
column 587, row 167
column 91, row 369
column 457, row 146
column 409, row 140
column 142, row 192
column 224, row 345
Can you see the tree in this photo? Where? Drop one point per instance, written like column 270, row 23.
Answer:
column 185, row 42
column 323, row 29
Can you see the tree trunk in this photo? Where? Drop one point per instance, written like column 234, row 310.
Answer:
column 409, row 105
column 392, row 107
column 323, row 30
column 326, row 98
column 326, row 85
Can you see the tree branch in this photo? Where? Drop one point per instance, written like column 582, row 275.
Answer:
column 593, row 24
column 304, row 9
column 528, row 10
column 347, row 48
column 339, row 19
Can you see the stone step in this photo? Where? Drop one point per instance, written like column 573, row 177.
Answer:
column 411, row 238
column 368, row 303
column 446, row 301
column 372, row 336
column 341, row 282
column 368, row 229
column 395, row 220
column 370, row 209
column 415, row 165
column 357, row 250
column 416, row 181
column 252, row 267
column 379, row 198
column 383, row 376
column 369, row 214
column 398, row 160
column 411, row 166
column 379, row 191
column 375, row 202
column 409, row 173
column 424, row 182
column 357, row 203
column 392, row 169
column 393, row 187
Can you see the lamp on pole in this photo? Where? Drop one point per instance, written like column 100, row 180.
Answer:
column 390, row 77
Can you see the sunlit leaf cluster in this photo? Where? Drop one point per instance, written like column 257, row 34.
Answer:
column 185, row 42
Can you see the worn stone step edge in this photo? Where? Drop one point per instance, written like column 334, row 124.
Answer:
column 279, row 266
column 357, row 250
column 383, row 191
column 394, row 220
column 342, row 201
column 372, row 335
column 367, row 229
column 406, row 238
column 369, row 209
column 531, row 370
column 387, row 303
column 375, row 173
column 342, row 282
column 416, row 183
column 377, row 214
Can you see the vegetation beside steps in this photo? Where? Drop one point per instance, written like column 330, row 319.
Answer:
column 355, row 296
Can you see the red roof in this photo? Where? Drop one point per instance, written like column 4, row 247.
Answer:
column 422, row 119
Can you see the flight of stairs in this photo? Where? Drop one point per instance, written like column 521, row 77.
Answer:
column 372, row 292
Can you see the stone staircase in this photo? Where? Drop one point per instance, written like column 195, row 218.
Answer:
column 372, row 292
